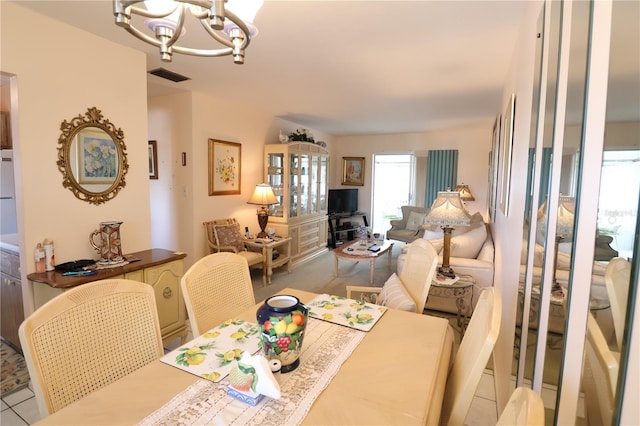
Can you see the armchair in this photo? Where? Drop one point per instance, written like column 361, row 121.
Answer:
column 224, row 235
column 409, row 228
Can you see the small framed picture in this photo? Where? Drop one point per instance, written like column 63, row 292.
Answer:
column 153, row 160
column 224, row 167
column 353, row 171
column 97, row 158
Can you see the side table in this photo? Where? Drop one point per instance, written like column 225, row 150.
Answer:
column 283, row 244
column 462, row 290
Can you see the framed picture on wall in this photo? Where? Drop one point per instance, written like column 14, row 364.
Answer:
column 97, row 158
column 153, row 160
column 493, row 174
column 353, row 171
column 505, row 154
column 224, row 167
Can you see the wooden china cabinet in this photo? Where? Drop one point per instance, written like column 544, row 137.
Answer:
column 298, row 172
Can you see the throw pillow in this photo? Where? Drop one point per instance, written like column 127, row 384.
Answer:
column 468, row 245
column 434, row 232
column 395, row 296
column 415, row 221
column 229, row 235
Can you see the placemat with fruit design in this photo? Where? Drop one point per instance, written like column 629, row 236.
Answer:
column 349, row 312
column 211, row 355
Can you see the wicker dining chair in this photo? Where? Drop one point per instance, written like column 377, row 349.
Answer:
column 215, row 288
column 415, row 278
column 472, row 357
column 600, row 375
column 616, row 279
column 89, row 337
column 524, row 408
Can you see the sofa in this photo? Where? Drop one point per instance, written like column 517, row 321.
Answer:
column 472, row 253
column 408, row 228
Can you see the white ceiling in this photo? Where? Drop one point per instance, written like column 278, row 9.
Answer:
column 346, row 67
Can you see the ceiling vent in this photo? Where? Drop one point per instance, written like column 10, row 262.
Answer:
column 169, row 75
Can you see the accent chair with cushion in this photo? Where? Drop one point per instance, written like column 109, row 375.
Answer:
column 224, row 235
column 409, row 228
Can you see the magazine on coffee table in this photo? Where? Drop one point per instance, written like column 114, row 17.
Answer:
column 440, row 279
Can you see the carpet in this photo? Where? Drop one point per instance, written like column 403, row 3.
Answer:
column 13, row 371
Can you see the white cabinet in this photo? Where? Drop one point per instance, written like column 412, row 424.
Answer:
column 298, row 172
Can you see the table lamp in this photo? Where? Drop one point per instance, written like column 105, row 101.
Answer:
column 447, row 211
column 263, row 196
column 564, row 229
column 465, row 192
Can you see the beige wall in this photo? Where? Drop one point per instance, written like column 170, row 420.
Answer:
column 473, row 143
column 54, row 83
column 180, row 199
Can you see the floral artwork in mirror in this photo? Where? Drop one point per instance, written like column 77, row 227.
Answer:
column 224, row 167
column 92, row 157
column 153, row 160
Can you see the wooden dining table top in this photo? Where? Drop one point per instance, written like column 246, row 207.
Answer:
column 396, row 375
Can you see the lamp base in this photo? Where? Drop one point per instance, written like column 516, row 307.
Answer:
column 446, row 271
column 263, row 219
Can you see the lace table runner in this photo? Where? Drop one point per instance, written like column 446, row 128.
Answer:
column 326, row 346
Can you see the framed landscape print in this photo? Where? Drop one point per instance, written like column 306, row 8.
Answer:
column 224, row 167
column 153, row 160
column 353, row 171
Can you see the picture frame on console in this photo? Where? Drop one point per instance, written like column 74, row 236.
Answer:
column 224, row 167
column 353, row 171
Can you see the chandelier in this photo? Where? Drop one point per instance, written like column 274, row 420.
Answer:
column 229, row 22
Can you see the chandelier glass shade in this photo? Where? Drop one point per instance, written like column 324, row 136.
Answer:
column 228, row 22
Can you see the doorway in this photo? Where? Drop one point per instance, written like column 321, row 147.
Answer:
column 393, row 187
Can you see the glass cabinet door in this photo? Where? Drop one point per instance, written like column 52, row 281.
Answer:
column 304, row 185
column 313, row 189
column 275, row 178
column 322, row 184
column 294, row 185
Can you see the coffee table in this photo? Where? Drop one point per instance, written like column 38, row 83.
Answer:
column 357, row 251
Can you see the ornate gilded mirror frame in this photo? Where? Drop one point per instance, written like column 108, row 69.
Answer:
column 92, row 157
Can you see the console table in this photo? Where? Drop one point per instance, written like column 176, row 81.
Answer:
column 161, row 269
column 336, row 226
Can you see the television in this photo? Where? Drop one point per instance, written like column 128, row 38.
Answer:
column 343, row 200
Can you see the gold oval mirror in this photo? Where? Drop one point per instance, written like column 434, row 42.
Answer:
column 92, row 157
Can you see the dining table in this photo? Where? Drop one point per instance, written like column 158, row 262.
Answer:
column 395, row 375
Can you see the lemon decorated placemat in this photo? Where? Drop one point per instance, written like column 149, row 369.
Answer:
column 212, row 354
column 348, row 312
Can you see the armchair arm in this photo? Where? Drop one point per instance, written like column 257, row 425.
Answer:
column 397, row 224
column 215, row 248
